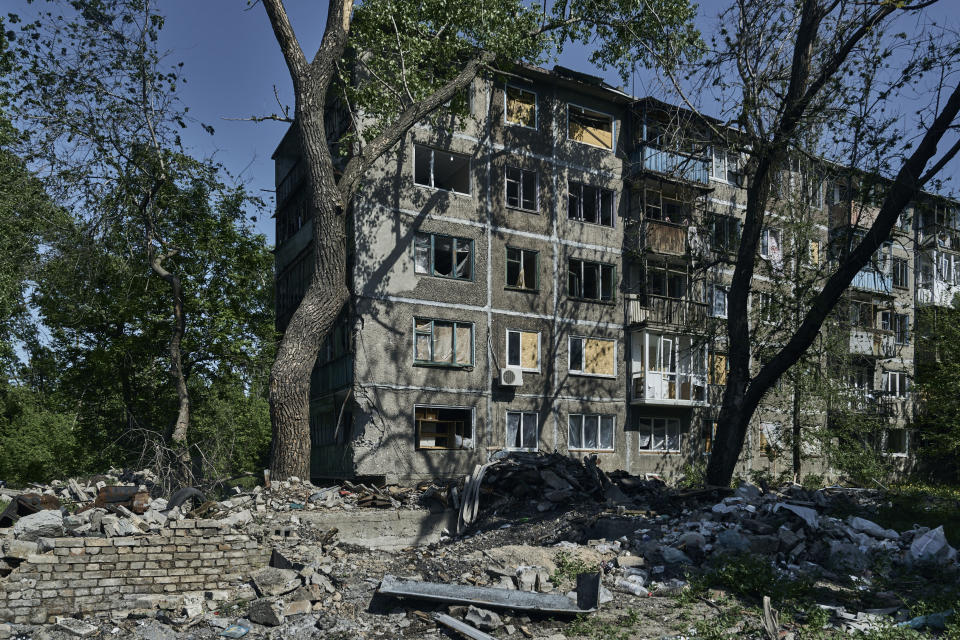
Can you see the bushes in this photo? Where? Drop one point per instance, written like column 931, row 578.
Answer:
column 36, row 444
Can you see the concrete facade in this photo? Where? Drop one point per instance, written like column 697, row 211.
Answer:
column 625, row 306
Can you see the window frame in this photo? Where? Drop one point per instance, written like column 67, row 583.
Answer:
column 434, row 363
column 600, row 417
column 536, row 107
column 601, row 191
column 433, row 254
column 580, row 371
column 536, row 189
column 728, row 222
column 667, row 423
column 523, row 416
column 416, row 428
column 506, row 351
column 613, row 126
column 599, row 299
column 506, row 273
column 711, row 300
column 904, row 269
column 432, row 185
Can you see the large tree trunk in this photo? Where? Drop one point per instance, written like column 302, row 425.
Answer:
column 317, row 312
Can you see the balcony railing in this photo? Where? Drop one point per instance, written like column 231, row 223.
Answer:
column 940, row 236
column 679, row 165
column 668, row 387
column 869, row 279
column 872, row 342
column 868, row 402
column 664, row 237
column 650, row 309
column 290, row 183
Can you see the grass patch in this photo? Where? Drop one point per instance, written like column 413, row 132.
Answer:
column 568, row 568
column 4, row 503
column 596, row 629
column 754, row 577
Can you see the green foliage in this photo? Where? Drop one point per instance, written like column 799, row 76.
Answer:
column 37, row 444
column 592, row 626
column 855, row 450
column 693, row 475
column 754, row 577
column 568, row 568
column 938, row 385
column 813, row 481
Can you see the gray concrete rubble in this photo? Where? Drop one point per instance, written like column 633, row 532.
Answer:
column 642, row 539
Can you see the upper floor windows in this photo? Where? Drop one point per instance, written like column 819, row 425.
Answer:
column 901, row 273
column 724, row 233
column 770, row 246
column 589, row 204
column 520, row 107
column 590, row 280
column 725, row 165
column 522, row 272
column 589, row 127
column 441, row 169
column 592, row 356
column 718, row 301
column 441, row 342
column 522, row 189
column 443, row 256
column 523, row 349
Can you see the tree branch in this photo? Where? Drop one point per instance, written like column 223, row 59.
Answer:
column 287, row 39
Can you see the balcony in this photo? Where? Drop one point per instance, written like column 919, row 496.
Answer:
column 868, row 402
column 854, row 214
column 290, row 183
column 872, row 342
column 868, row 279
column 668, row 388
column 936, row 293
column 664, row 237
column 938, row 235
column 682, row 166
column 650, row 309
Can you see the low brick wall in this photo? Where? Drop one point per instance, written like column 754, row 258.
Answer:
column 91, row 575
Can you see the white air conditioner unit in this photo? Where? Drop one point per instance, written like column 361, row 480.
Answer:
column 511, row 377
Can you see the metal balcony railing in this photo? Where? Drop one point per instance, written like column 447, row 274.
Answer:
column 650, row 309
column 679, row 165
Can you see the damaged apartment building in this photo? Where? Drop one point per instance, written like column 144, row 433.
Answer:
column 549, row 272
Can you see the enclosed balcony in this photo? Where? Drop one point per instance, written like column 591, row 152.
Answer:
column 869, row 279
column 938, row 235
column 674, row 164
column 872, row 342
column 667, row 369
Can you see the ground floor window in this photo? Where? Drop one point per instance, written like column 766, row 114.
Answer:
column 522, row 430
column 897, row 441
column 658, row 434
column 591, row 432
column 708, row 434
column 444, row 427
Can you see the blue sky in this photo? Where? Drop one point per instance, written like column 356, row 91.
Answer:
column 233, row 66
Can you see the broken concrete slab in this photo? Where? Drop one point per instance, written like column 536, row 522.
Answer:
column 483, row 619
column 42, row 524
column 76, row 628
column 271, row 581
column 266, row 612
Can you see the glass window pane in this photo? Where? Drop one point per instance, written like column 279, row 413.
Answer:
column 513, row 430
column 591, row 284
column 530, row 436
column 422, row 349
column 513, row 267
column 606, row 432
column 575, row 436
column 421, row 160
column 529, row 190
column 422, row 251
column 464, row 259
column 576, row 354
column 513, row 187
column 443, row 255
column 659, row 434
column 673, row 435
column 529, row 270
column 591, row 427
column 513, row 348
column 643, row 433
column 574, row 284
column 573, row 200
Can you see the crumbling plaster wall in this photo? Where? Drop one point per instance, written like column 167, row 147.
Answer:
column 94, row 575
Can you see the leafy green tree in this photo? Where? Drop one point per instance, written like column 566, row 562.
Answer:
column 937, row 390
column 394, row 63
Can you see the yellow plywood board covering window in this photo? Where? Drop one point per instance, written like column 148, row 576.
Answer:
column 529, row 346
column 718, row 368
column 598, row 357
column 521, row 107
column 591, row 128
column 814, row 252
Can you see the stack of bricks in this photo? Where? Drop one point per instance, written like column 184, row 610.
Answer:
column 100, row 575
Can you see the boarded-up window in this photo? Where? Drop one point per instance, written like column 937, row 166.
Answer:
column 442, row 342
column 815, row 252
column 522, row 430
column 718, row 368
column 521, row 107
column 593, row 356
column 589, row 127
column 444, row 427
column 523, row 349
column 593, row 432
column 522, row 269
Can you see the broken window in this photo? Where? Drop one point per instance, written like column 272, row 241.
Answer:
column 522, row 272
column 724, row 233
column 770, row 246
column 718, row 301
column 725, row 166
column 895, row 383
column 592, row 432
column 658, row 434
column 443, row 256
column 441, row 169
column 522, row 430
column 708, row 434
column 442, row 342
column 667, row 283
column 589, row 204
column 444, row 427
column 901, row 273
column 897, row 441
column 523, row 349
column 522, row 189
column 901, row 328
column 520, row 107
column 589, row 127
column 592, row 356
column 590, row 280
column 863, row 314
